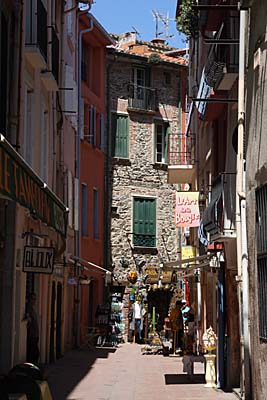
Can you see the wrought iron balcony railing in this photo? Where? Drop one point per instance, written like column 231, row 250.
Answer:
column 181, row 149
column 219, row 216
column 36, row 26
column 142, row 98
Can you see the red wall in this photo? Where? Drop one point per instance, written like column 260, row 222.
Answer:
column 92, row 165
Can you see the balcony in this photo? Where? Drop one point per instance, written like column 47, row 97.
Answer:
column 219, row 217
column 181, row 158
column 142, row 98
column 221, row 69
column 36, row 34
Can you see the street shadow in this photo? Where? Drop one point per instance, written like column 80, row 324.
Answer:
column 184, row 379
column 65, row 374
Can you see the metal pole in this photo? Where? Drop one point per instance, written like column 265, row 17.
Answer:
column 242, row 278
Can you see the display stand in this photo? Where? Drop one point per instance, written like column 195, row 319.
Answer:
column 210, row 375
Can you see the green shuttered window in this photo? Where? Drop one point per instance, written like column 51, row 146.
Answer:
column 144, row 222
column 120, row 135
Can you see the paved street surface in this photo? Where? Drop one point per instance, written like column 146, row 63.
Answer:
column 126, row 374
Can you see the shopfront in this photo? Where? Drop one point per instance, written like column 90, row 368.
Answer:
column 33, row 230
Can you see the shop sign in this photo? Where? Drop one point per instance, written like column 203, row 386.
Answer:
column 187, row 209
column 152, row 274
column 38, row 259
column 188, row 252
column 166, row 276
column 19, row 183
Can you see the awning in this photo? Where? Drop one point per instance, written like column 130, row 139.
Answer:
column 87, row 264
column 210, row 220
column 19, row 182
column 194, row 262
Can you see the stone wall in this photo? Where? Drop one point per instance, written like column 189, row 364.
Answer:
column 140, row 175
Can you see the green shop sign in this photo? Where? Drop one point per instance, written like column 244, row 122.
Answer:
column 20, row 183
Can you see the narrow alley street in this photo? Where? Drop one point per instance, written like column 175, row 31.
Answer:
column 126, row 374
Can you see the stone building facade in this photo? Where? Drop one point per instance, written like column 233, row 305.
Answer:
column 147, row 107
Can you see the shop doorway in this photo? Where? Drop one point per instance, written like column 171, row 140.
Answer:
column 160, row 299
column 58, row 321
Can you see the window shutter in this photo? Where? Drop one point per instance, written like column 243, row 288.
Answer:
column 94, row 130
column 76, row 204
column 70, row 198
column 167, row 135
column 91, row 124
column 96, row 211
column 81, row 118
column 102, row 132
column 144, row 223
column 120, row 135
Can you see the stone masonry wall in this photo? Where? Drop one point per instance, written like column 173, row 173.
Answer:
column 140, row 175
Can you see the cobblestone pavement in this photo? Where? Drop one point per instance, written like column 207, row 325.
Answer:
column 126, row 374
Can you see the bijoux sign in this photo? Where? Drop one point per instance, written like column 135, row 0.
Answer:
column 38, row 259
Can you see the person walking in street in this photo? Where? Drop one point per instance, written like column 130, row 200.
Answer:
column 177, row 324
column 32, row 330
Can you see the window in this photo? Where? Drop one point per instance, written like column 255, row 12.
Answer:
column 120, row 135
column 161, row 142
column 84, row 66
column 167, row 78
column 84, row 210
column 96, row 211
column 44, row 143
column 261, row 229
column 28, row 138
column 144, row 222
column 102, row 131
column 92, row 125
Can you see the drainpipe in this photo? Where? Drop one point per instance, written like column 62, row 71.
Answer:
column 78, row 162
column 242, row 258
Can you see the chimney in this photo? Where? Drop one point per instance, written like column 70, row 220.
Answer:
column 158, row 40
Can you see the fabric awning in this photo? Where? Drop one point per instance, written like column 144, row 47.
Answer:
column 194, row 261
column 210, row 218
column 87, row 264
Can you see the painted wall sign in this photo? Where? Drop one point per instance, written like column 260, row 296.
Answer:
column 152, row 274
column 187, row 209
column 19, row 183
column 38, row 259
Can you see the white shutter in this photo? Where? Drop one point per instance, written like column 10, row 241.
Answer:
column 70, row 96
column 76, row 203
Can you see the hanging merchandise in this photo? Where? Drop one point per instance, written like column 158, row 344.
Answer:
column 132, row 276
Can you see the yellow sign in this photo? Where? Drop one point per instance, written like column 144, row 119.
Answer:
column 152, row 274
column 188, row 252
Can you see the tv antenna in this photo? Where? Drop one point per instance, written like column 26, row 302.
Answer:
column 136, row 31
column 165, row 20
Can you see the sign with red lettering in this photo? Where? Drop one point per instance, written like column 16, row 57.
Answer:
column 187, row 209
